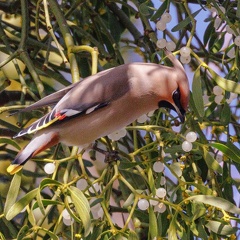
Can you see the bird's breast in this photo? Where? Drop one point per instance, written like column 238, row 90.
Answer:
column 118, row 114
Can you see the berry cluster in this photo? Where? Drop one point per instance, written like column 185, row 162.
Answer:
column 187, row 144
column 219, row 96
column 219, row 21
column 161, row 26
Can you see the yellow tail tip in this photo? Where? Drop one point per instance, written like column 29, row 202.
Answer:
column 14, row 168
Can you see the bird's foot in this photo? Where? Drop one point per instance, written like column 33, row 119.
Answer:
column 110, row 156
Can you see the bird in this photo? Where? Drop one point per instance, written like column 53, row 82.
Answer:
column 103, row 103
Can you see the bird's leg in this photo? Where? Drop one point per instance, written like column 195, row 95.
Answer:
column 109, row 155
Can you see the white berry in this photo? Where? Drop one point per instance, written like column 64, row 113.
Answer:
column 223, row 9
column 231, row 53
column 68, row 222
column 170, row 46
column 205, row 99
column 218, row 99
column 158, row 167
column 95, row 187
column 153, row 202
column 166, row 17
column 115, row 136
column 232, row 97
column 142, row 119
column 81, row 184
column 143, row 204
column 49, row 168
column 163, row 180
column 191, row 137
column 161, row 192
column 185, row 60
column 66, row 214
column 151, row 113
column 161, row 25
column 185, row 51
column 186, row 146
column 229, row 30
column 213, row 9
column 237, row 41
column 161, row 207
column 217, row 23
column 217, row 91
column 161, row 43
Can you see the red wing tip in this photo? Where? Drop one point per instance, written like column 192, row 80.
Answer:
column 14, row 168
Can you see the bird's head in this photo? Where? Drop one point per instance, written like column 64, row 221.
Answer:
column 178, row 102
column 178, row 85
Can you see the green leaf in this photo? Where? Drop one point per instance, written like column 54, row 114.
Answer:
column 128, row 201
column 225, row 84
column 2, row 236
column 198, row 210
column 218, row 44
column 172, row 231
column 216, row 202
column 10, row 142
column 13, row 192
column 96, row 231
column 221, row 228
column 197, row 93
column 211, row 162
column 46, row 182
column 208, row 32
column 82, row 207
column 160, row 11
column 143, row 9
column 238, row 9
column 95, row 202
column 4, row 83
column 151, row 180
column 225, row 114
column 153, row 227
column 49, row 233
column 21, row 204
column 114, row 27
column 229, row 149
column 22, row 232
column 46, row 202
column 204, row 190
column 132, row 235
column 185, row 22
column 201, row 230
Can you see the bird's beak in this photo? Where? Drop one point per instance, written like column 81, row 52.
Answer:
column 176, row 96
column 177, row 107
column 181, row 113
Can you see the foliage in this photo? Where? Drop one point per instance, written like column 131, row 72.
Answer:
column 55, row 41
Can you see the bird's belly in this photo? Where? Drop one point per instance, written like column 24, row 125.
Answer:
column 85, row 129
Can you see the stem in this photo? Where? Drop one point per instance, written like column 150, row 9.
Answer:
column 92, row 50
column 67, row 38
column 185, row 3
column 50, row 29
column 131, row 213
column 22, row 48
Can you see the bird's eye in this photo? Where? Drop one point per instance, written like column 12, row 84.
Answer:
column 176, row 95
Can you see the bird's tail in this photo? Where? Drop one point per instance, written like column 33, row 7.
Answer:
column 38, row 144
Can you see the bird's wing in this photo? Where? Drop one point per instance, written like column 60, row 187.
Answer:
column 49, row 100
column 89, row 95
column 59, row 116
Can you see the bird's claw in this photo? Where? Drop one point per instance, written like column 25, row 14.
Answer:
column 110, row 156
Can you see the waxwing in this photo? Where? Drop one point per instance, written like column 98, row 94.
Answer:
column 103, row 103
